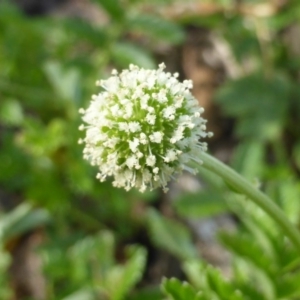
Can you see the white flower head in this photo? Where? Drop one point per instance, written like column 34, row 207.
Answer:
column 142, row 128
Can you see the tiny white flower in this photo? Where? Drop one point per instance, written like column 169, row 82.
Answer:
column 162, row 66
column 143, row 187
column 170, row 156
column 156, row 170
column 188, row 84
column 175, row 89
column 156, row 137
column 144, row 127
column 144, row 101
column 123, row 126
column 150, row 118
column 143, row 138
column 134, row 144
column 150, row 81
column 162, row 96
column 178, row 101
column 139, row 154
column 111, row 143
column 114, row 109
column 151, row 109
column 111, row 84
column 131, row 161
column 150, row 161
column 134, row 126
column 178, row 134
column 169, row 111
column 128, row 111
column 138, row 93
column 114, row 72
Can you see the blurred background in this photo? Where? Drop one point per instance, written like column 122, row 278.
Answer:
column 63, row 234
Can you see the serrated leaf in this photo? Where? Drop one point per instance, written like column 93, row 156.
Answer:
column 259, row 103
column 99, row 248
column 94, row 257
column 258, row 223
column 257, row 264
column 247, row 248
column 127, row 53
column 288, row 286
column 178, row 290
column 157, row 28
column 171, row 236
column 120, row 279
column 262, row 284
column 193, row 269
column 261, row 236
column 214, row 285
column 219, row 285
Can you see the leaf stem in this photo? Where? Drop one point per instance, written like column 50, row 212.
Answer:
column 262, row 200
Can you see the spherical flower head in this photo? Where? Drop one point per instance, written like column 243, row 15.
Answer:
column 142, row 128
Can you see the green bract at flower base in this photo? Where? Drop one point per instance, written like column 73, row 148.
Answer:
column 143, row 128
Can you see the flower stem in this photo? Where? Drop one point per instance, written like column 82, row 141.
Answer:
column 262, row 200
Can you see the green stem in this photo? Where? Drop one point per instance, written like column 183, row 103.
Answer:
column 262, row 200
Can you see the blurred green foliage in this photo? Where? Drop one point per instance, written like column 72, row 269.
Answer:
column 93, row 247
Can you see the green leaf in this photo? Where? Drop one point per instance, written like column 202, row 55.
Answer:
column 113, row 8
column 121, row 279
column 286, row 192
column 147, row 293
column 257, row 229
column 202, row 204
column 9, row 11
column 222, row 287
column 249, row 159
column 259, row 103
column 296, row 154
column 157, row 28
column 178, row 290
column 93, row 258
column 214, row 285
column 99, row 248
column 247, row 248
column 11, row 112
column 261, row 227
column 171, row 235
column 40, row 140
column 22, row 219
column 65, row 82
column 255, row 254
column 290, row 15
column 84, row 293
column 288, row 286
column 86, row 31
column 14, row 163
column 194, row 269
column 127, row 53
